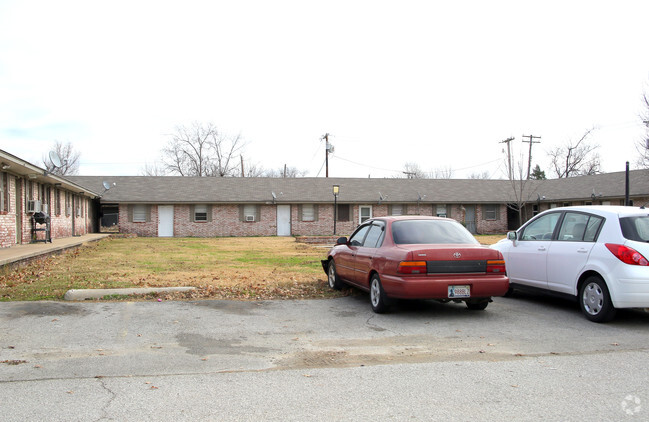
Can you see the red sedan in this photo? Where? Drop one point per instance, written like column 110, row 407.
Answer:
column 416, row 257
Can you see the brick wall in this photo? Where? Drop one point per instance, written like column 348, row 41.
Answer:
column 61, row 224
column 226, row 221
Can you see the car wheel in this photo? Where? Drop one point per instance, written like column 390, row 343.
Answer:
column 332, row 276
column 595, row 300
column 378, row 299
column 477, row 306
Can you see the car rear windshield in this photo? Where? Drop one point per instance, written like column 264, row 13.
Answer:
column 431, row 232
column 635, row 228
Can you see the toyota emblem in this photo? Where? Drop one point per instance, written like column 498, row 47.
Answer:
column 457, row 255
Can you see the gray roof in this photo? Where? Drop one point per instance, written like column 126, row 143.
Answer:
column 177, row 189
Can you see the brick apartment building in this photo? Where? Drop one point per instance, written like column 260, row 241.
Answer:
column 169, row 206
column 207, row 206
column 26, row 189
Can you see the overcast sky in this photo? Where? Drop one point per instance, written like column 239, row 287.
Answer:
column 436, row 83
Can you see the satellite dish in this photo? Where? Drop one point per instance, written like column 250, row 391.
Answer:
column 106, row 185
column 55, row 159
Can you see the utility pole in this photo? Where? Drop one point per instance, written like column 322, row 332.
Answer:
column 328, row 149
column 509, row 156
column 531, row 141
column 243, row 173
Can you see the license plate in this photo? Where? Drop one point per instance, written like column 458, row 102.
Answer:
column 459, row 291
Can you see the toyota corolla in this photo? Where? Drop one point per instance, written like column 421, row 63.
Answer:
column 417, row 257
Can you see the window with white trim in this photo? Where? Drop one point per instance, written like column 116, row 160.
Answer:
column 364, row 213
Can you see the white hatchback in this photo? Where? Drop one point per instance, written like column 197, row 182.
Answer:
column 596, row 254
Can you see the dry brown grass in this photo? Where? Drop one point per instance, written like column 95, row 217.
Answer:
column 249, row 268
column 243, row 268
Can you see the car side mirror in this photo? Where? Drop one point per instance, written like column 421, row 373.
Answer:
column 511, row 236
column 341, row 241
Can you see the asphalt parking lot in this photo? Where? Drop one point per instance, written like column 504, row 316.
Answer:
column 524, row 358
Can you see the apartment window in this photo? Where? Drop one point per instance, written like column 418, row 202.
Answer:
column 57, row 202
column 308, row 212
column 440, row 210
column 342, row 213
column 249, row 213
column 4, row 192
column 490, row 212
column 364, row 213
column 201, row 213
column 398, row 209
column 140, row 213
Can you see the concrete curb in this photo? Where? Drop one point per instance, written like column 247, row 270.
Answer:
column 82, row 294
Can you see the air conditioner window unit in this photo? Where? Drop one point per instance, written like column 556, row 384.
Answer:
column 250, row 218
column 33, row 206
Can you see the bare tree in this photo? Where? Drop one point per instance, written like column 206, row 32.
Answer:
column 413, row 171
column 202, row 150
column 524, row 189
column 153, row 169
column 69, row 160
column 226, row 148
column 643, row 144
column 483, row 175
column 442, row 173
column 576, row 158
column 284, row 172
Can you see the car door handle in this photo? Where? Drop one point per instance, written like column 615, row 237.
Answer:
column 582, row 250
column 542, row 248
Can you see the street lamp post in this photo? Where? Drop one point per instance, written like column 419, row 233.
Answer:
column 336, row 191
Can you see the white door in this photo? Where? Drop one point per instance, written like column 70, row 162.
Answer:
column 283, row 220
column 165, row 220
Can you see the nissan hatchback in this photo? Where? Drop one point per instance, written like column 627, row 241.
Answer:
column 596, row 254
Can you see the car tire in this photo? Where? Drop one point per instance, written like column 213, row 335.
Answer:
column 378, row 298
column 595, row 300
column 332, row 276
column 477, row 306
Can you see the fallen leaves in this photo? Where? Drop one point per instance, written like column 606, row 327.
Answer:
column 13, row 361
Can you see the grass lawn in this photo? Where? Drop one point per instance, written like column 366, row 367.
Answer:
column 242, row 268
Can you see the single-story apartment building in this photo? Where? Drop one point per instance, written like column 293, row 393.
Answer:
column 174, row 206
column 26, row 189
column 206, row 206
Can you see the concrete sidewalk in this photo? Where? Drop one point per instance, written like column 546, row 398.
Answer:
column 18, row 253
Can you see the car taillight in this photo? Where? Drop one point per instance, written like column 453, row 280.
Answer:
column 496, row 266
column 627, row 255
column 412, row 267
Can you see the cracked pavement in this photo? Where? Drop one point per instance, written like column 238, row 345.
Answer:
column 318, row 359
